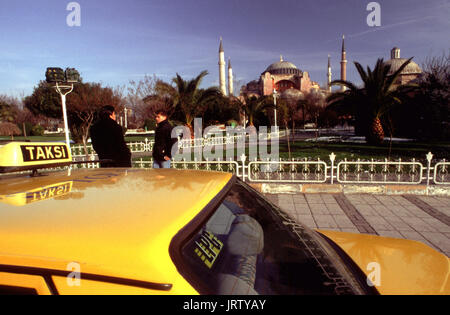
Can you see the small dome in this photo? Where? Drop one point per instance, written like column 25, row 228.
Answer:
column 411, row 68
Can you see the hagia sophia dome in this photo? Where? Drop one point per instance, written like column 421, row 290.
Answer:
column 283, row 67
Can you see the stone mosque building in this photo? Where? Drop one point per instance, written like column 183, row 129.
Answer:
column 280, row 77
column 284, row 78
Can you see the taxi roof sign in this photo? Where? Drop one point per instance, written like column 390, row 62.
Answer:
column 22, row 156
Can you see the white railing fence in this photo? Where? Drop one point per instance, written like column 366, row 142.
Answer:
column 78, row 150
column 317, row 171
column 305, row 170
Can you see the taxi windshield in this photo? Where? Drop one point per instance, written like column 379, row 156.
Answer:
column 249, row 246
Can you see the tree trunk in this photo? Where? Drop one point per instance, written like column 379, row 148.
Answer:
column 293, row 129
column 85, row 147
column 191, row 130
column 375, row 133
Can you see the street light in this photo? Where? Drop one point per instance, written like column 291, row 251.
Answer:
column 126, row 116
column 63, row 81
column 275, row 109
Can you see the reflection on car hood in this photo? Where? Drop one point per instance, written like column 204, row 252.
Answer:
column 397, row 266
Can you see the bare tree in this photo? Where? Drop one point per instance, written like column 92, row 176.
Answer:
column 9, row 129
column 84, row 103
column 138, row 92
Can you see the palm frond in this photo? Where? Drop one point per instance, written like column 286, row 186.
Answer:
column 392, row 78
column 347, row 84
column 361, row 71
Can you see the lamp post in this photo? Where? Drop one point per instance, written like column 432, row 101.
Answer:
column 68, row 88
column 126, row 116
column 275, row 109
column 64, row 81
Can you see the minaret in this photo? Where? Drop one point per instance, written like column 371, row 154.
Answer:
column 343, row 64
column 230, row 78
column 222, row 83
column 329, row 75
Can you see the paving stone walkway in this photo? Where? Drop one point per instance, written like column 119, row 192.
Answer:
column 422, row 218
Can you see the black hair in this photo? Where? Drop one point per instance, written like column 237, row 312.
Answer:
column 162, row 112
column 107, row 111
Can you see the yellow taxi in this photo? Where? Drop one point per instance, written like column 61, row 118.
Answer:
column 183, row 232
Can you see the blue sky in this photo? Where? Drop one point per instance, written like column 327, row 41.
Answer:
column 119, row 41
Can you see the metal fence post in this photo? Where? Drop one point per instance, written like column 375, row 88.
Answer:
column 243, row 158
column 429, row 158
column 332, row 159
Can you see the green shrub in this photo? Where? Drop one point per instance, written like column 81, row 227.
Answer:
column 37, row 130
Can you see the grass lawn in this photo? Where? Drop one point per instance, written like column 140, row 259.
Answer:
column 352, row 151
column 139, row 138
column 47, row 138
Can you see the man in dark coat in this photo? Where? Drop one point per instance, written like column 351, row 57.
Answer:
column 108, row 140
column 162, row 149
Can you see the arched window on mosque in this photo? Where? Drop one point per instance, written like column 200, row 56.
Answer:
column 284, row 85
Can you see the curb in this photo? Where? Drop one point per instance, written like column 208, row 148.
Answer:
column 274, row 188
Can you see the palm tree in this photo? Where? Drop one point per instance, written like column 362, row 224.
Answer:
column 188, row 98
column 253, row 106
column 372, row 101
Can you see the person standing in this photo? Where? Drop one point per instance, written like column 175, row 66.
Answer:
column 162, row 149
column 108, row 140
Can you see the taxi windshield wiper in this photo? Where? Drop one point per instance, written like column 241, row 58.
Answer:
column 48, row 273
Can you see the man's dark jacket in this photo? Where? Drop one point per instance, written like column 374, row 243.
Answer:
column 163, row 141
column 109, row 143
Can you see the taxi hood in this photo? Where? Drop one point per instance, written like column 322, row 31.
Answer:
column 114, row 221
column 396, row 266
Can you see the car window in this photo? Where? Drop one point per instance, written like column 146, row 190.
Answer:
column 248, row 246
